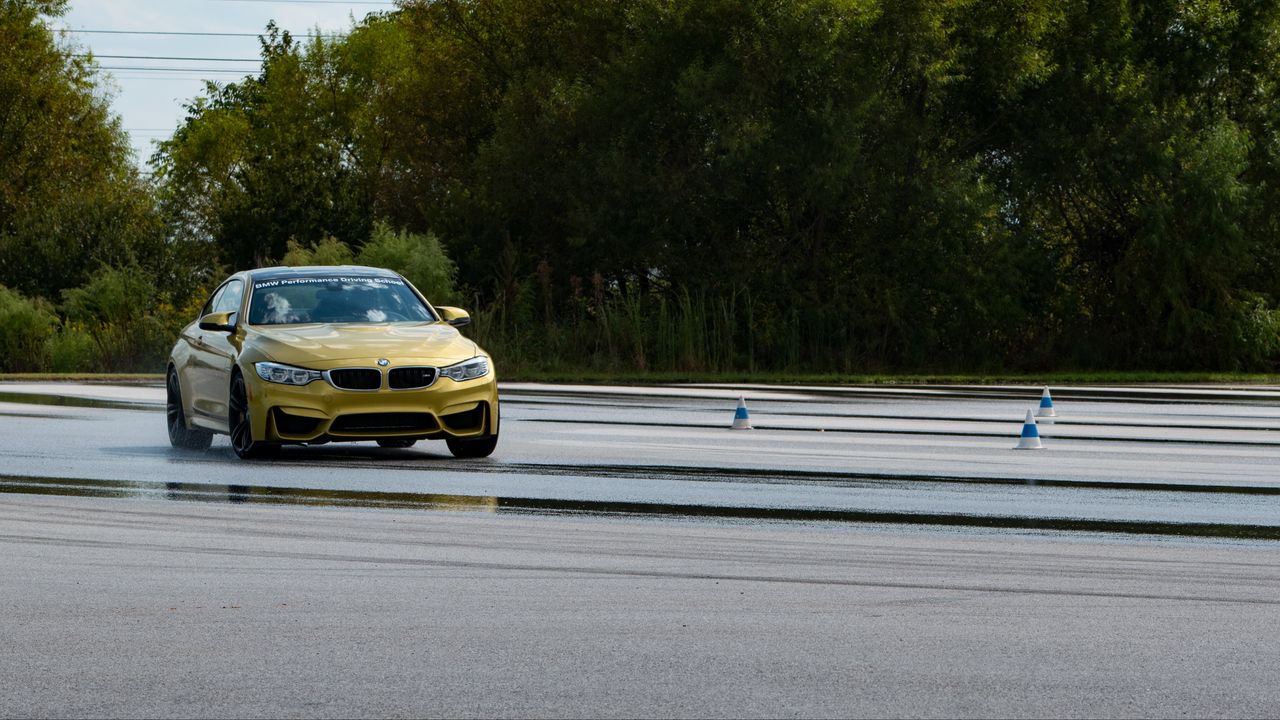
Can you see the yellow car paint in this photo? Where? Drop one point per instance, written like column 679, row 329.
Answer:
column 211, row 351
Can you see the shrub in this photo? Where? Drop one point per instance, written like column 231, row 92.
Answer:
column 119, row 309
column 329, row 251
column 25, row 325
column 72, row 349
column 420, row 258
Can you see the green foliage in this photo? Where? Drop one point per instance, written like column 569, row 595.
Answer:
column 73, row 349
column 817, row 185
column 329, row 251
column 299, row 151
column 73, row 209
column 70, row 196
column 25, row 326
column 114, row 308
column 418, row 257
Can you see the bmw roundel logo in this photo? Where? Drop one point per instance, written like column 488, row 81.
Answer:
column 383, row 362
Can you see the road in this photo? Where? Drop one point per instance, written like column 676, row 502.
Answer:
column 861, row 553
column 1179, row 457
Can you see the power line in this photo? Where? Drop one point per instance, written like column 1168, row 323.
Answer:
column 167, row 57
column 192, row 33
column 162, row 78
column 173, row 69
column 312, row 2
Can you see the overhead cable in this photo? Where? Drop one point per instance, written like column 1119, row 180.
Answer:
column 310, row 2
column 175, row 69
column 167, row 57
column 186, row 33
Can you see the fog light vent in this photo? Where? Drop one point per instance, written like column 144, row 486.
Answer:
column 288, row 424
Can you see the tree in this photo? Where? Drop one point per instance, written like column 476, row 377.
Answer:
column 843, row 184
column 70, row 196
column 1137, row 160
column 294, row 153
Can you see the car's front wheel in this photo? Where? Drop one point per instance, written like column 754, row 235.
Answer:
column 472, row 447
column 238, row 421
column 181, row 436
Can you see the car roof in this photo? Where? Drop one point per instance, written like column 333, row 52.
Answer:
column 307, row 270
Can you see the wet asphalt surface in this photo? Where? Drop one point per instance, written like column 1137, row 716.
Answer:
column 859, row 553
column 1178, row 458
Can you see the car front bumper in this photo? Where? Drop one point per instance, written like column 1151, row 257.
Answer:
column 320, row 412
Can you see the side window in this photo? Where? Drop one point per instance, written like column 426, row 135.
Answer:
column 213, row 301
column 228, row 299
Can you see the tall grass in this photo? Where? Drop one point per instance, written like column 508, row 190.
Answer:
column 598, row 331
column 681, row 332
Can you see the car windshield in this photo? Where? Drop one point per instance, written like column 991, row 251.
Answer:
column 334, row 299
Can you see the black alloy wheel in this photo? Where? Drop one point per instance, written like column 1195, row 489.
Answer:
column 238, row 421
column 181, row 436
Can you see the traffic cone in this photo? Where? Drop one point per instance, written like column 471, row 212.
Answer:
column 741, row 420
column 1046, row 405
column 1030, row 439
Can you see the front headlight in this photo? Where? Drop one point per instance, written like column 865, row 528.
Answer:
column 286, row 374
column 467, row 369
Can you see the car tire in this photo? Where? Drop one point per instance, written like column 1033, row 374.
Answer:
column 397, row 443
column 472, row 447
column 181, row 436
column 238, row 422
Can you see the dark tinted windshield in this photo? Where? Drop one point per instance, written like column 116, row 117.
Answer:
column 334, row 299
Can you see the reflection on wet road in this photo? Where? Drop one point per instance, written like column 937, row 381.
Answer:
column 1261, row 513
column 1200, row 462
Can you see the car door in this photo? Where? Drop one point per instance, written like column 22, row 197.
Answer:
column 190, row 360
column 213, row 353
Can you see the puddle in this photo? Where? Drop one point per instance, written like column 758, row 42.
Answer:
column 40, row 416
column 203, row 492
column 249, row 494
column 363, row 456
column 42, row 399
column 924, row 432
column 847, row 479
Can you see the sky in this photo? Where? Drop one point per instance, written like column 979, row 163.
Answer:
column 150, row 86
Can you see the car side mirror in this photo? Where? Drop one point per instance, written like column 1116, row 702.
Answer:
column 456, row 317
column 218, row 322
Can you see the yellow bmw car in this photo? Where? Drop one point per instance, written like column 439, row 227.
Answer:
column 309, row 355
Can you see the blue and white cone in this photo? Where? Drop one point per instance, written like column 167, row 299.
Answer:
column 1046, row 405
column 1030, row 439
column 741, row 420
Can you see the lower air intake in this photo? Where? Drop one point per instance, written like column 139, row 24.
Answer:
column 465, row 421
column 289, row 424
column 384, row 423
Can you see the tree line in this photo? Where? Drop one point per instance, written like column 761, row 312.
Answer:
column 705, row 185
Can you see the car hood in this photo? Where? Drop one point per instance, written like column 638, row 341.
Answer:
column 325, row 345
